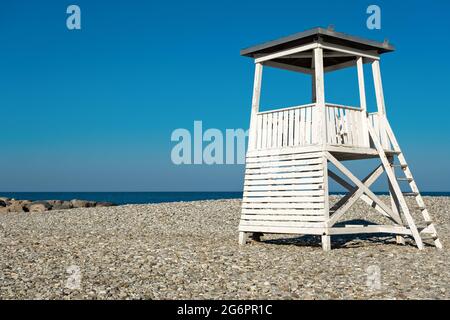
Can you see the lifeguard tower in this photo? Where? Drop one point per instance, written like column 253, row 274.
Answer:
column 290, row 150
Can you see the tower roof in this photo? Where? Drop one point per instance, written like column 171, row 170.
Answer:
column 315, row 35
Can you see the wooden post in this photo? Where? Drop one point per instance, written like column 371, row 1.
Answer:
column 326, row 239
column 320, row 121
column 313, row 77
column 378, row 86
column 362, row 100
column 252, row 138
column 321, row 129
column 255, row 107
column 326, row 242
column 243, row 237
column 380, row 100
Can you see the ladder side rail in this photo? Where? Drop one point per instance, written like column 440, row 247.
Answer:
column 396, row 187
column 412, row 183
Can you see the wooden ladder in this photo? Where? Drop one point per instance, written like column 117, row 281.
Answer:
column 429, row 231
column 399, row 196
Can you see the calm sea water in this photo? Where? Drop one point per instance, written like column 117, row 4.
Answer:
column 124, row 197
column 140, row 197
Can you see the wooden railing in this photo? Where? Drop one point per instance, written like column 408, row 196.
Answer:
column 375, row 119
column 285, row 127
column 296, row 126
column 346, row 126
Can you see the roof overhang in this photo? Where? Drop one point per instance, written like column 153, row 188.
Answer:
column 295, row 52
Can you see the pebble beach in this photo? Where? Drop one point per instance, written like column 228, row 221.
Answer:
column 189, row 250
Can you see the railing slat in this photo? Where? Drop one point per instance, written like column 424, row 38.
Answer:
column 280, row 130
column 296, row 126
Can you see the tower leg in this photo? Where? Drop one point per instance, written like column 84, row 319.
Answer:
column 400, row 239
column 326, row 243
column 243, row 237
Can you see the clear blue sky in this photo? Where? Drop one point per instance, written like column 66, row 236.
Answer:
column 93, row 110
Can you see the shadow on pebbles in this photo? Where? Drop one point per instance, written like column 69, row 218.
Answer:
column 189, row 250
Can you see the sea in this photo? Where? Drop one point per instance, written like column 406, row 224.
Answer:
column 120, row 198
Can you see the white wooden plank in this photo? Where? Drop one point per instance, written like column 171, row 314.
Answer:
column 355, row 131
column 264, row 131
column 302, row 126
column 269, row 130
column 291, row 128
column 275, row 131
column 288, row 187
column 301, row 224
column 283, row 193
column 289, row 168
column 320, row 134
column 283, row 181
column 282, row 199
column 255, row 107
column 279, row 217
column 289, row 175
column 308, row 117
column 284, row 151
column 298, row 205
column 301, row 212
column 285, row 128
column 271, row 158
column 355, row 52
column 259, row 132
column 300, row 164
column 297, row 127
column 280, row 129
column 362, row 100
column 328, row 124
column 334, row 127
column 369, row 229
column 283, row 53
column 286, row 230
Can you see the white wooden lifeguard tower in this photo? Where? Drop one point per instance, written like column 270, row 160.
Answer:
column 290, row 149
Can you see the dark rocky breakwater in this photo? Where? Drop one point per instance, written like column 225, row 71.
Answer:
column 13, row 205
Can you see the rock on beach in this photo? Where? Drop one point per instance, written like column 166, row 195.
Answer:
column 13, row 205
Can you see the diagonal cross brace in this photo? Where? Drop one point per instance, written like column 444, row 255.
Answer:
column 350, row 188
column 364, row 188
column 355, row 193
column 364, row 197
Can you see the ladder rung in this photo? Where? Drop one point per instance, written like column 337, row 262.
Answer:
column 410, row 194
column 426, row 236
column 428, row 222
column 405, row 179
column 403, row 166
